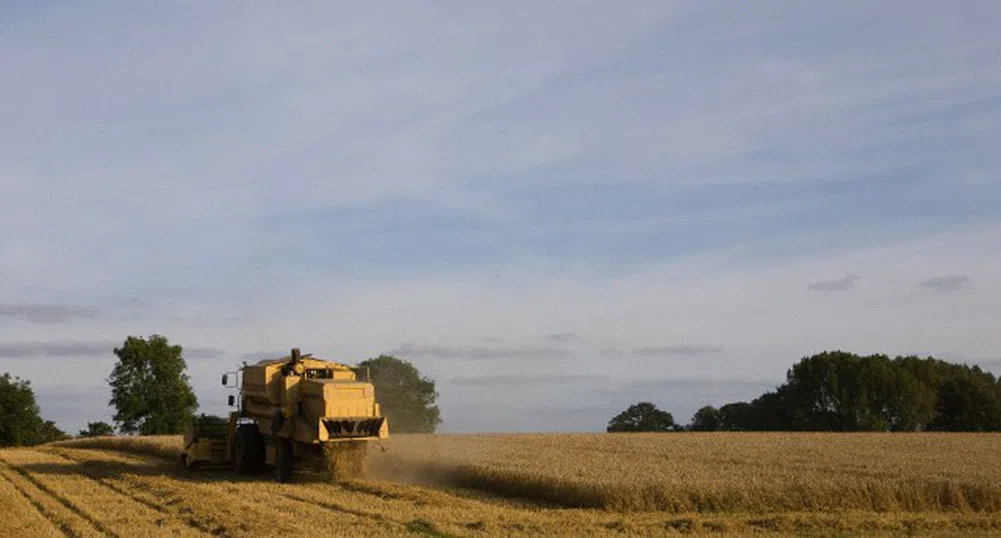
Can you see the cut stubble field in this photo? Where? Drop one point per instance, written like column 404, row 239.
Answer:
column 524, row 484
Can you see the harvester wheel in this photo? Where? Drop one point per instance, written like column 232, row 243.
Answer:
column 283, row 460
column 189, row 464
column 249, row 453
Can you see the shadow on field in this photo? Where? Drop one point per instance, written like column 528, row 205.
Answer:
column 81, row 464
column 157, row 465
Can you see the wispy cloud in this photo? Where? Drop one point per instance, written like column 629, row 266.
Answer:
column 561, row 338
column 262, row 355
column 946, row 283
column 68, row 348
column 480, row 352
column 202, row 352
column 703, row 384
column 526, row 380
column 837, row 284
column 46, row 313
column 56, row 348
column 664, row 351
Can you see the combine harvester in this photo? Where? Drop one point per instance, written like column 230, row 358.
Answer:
column 291, row 412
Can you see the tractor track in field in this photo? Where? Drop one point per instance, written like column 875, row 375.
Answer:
column 334, row 507
column 49, row 516
column 70, row 505
column 416, row 526
column 207, row 527
column 94, row 475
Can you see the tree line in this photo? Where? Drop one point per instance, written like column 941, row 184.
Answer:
column 151, row 394
column 840, row 391
column 829, row 391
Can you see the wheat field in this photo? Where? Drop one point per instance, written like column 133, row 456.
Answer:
column 717, row 472
column 525, row 485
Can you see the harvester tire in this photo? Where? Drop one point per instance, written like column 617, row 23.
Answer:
column 249, row 450
column 283, row 460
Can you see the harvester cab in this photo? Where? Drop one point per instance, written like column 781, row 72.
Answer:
column 294, row 409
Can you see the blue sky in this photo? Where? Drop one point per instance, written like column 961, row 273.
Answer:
column 663, row 201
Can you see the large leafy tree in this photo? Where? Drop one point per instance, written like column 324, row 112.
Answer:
column 405, row 397
column 149, row 388
column 839, row 391
column 706, row 419
column 642, row 417
column 968, row 403
column 21, row 422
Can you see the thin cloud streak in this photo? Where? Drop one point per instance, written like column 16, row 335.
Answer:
column 202, row 353
column 702, row 384
column 46, row 313
column 946, row 283
column 837, row 284
column 561, row 338
column 60, row 348
column 664, row 351
column 257, row 356
column 531, row 380
column 480, row 352
column 69, row 348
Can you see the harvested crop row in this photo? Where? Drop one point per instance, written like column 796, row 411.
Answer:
column 222, row 502
column 20, row 516
column 64, row 517
column 110, row 511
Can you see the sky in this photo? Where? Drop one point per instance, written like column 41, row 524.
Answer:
column 553, row 210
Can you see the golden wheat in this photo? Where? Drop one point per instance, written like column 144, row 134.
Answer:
column 46, row 504
column 643, row 485
column 228, row 504
column 19, row 516
column 108, row 510
column 714, row 472
column 162, row 446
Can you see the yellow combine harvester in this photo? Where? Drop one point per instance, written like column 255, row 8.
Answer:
column 292, row 409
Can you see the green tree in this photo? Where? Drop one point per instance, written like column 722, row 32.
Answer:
column 963, row 398
column 839, row 391
column 21, row 422
column 149, row 388
column 405, row 397
column 97, row 429
column 50, row 432
column 706, row 419
column 642, row 417
column 968, row 403
column 768, row 412
column 737, row 416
